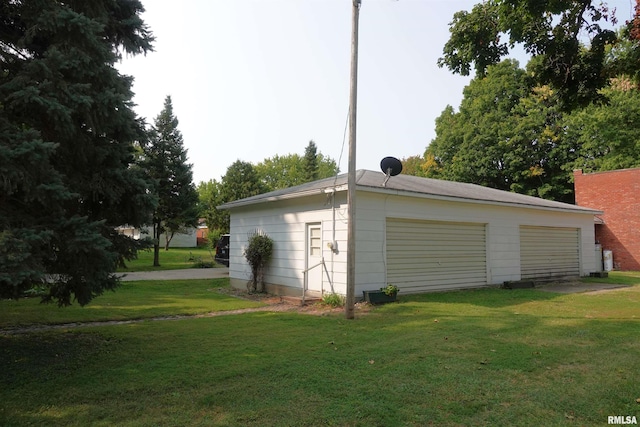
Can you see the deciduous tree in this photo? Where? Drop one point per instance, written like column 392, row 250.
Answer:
column 414, row 165
column 240, row 181
column 507, row 135
column 607, row 135
column 512, row 135
column 550, row 31
column 243, row 179
column 286, row 171
column 209, row 197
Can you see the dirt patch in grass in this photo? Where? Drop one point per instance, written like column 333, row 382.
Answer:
column 575, row 286
column 278, row 304
column 273, row 303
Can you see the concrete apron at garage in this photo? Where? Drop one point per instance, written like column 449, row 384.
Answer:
column 575, row 287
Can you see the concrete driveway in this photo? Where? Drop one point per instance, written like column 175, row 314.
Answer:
column 575, row 287
column 187, row 273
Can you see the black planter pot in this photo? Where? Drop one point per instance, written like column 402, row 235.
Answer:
column 378, row 297
column 519, row 284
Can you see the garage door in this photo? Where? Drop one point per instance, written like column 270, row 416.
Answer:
column 549, row 252
column 426, row 256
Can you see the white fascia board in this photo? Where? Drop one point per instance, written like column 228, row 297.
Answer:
column 285, row 196
column 581, row 210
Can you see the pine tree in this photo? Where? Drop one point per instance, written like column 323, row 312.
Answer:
column 67, row 129
column 166, row 163
column 310, row 162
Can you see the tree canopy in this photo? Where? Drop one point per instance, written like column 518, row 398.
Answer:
column 209, row 198
column 608, row 136
column 286, row 171
column 503, row 136
column 67, row 129
column 511, row 134
column 551, row 31
column 166, row 163
column 244, row 179
column 240, row 181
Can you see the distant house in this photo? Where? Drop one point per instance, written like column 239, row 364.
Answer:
column 201, row 233
column 417, row 233
column 617, row 193
column 129, row 230
column 188, row 239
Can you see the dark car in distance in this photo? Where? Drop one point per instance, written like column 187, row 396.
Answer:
column 222, row 250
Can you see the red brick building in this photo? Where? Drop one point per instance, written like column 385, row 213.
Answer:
column 617, row 193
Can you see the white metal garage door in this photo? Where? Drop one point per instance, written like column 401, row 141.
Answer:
column 548, row 252
column 426, row 256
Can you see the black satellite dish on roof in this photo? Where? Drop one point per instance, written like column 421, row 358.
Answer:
column 390, row 167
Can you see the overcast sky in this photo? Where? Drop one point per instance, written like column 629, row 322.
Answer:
column 250, row 79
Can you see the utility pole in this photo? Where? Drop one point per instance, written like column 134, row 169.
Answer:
column 351, row 180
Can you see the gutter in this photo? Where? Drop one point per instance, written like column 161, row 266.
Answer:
column 578, row 209
column 287, row 196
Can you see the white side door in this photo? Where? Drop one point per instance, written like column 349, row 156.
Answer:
column 313, row 277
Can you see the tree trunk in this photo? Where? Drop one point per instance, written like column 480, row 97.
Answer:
column 156, row 244
column 168, row 238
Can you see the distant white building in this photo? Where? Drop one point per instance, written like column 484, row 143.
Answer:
column 417, row 233
column 188, row 239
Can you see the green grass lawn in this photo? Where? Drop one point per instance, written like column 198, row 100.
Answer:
column 489, row 357
column 132, row 300
column 173, row 259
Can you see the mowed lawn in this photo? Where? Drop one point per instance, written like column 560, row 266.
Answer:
column 173, row 259
column 132, row 300
column 489, row 357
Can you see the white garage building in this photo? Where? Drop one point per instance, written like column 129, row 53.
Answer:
column 417, row 233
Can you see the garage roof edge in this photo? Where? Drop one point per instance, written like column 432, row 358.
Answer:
column 412, row 186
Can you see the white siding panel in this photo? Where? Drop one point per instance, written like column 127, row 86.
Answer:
column 285, row 222
column 188, row 239
column 433, row 255
column 547, row 252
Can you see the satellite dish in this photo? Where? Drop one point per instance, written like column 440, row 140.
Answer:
column 390, row 167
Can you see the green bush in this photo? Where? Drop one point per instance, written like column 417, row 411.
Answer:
column 333, row 300
column 390, row 289
column 258, row 254
column 203, row 264
column 213, row 236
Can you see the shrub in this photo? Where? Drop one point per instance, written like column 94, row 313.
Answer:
column 203, row 264
column 258, row 254
column 333, row 300
column 213, row 236
column 390, row 289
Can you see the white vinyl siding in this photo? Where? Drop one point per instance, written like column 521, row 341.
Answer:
column 285, row 222
column 433, row 255
column 547, row 252
column 494, row 229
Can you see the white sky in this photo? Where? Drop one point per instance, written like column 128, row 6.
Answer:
column 250, row 79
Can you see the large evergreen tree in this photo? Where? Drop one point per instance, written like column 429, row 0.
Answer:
column 166, row 163
column 67, row 129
